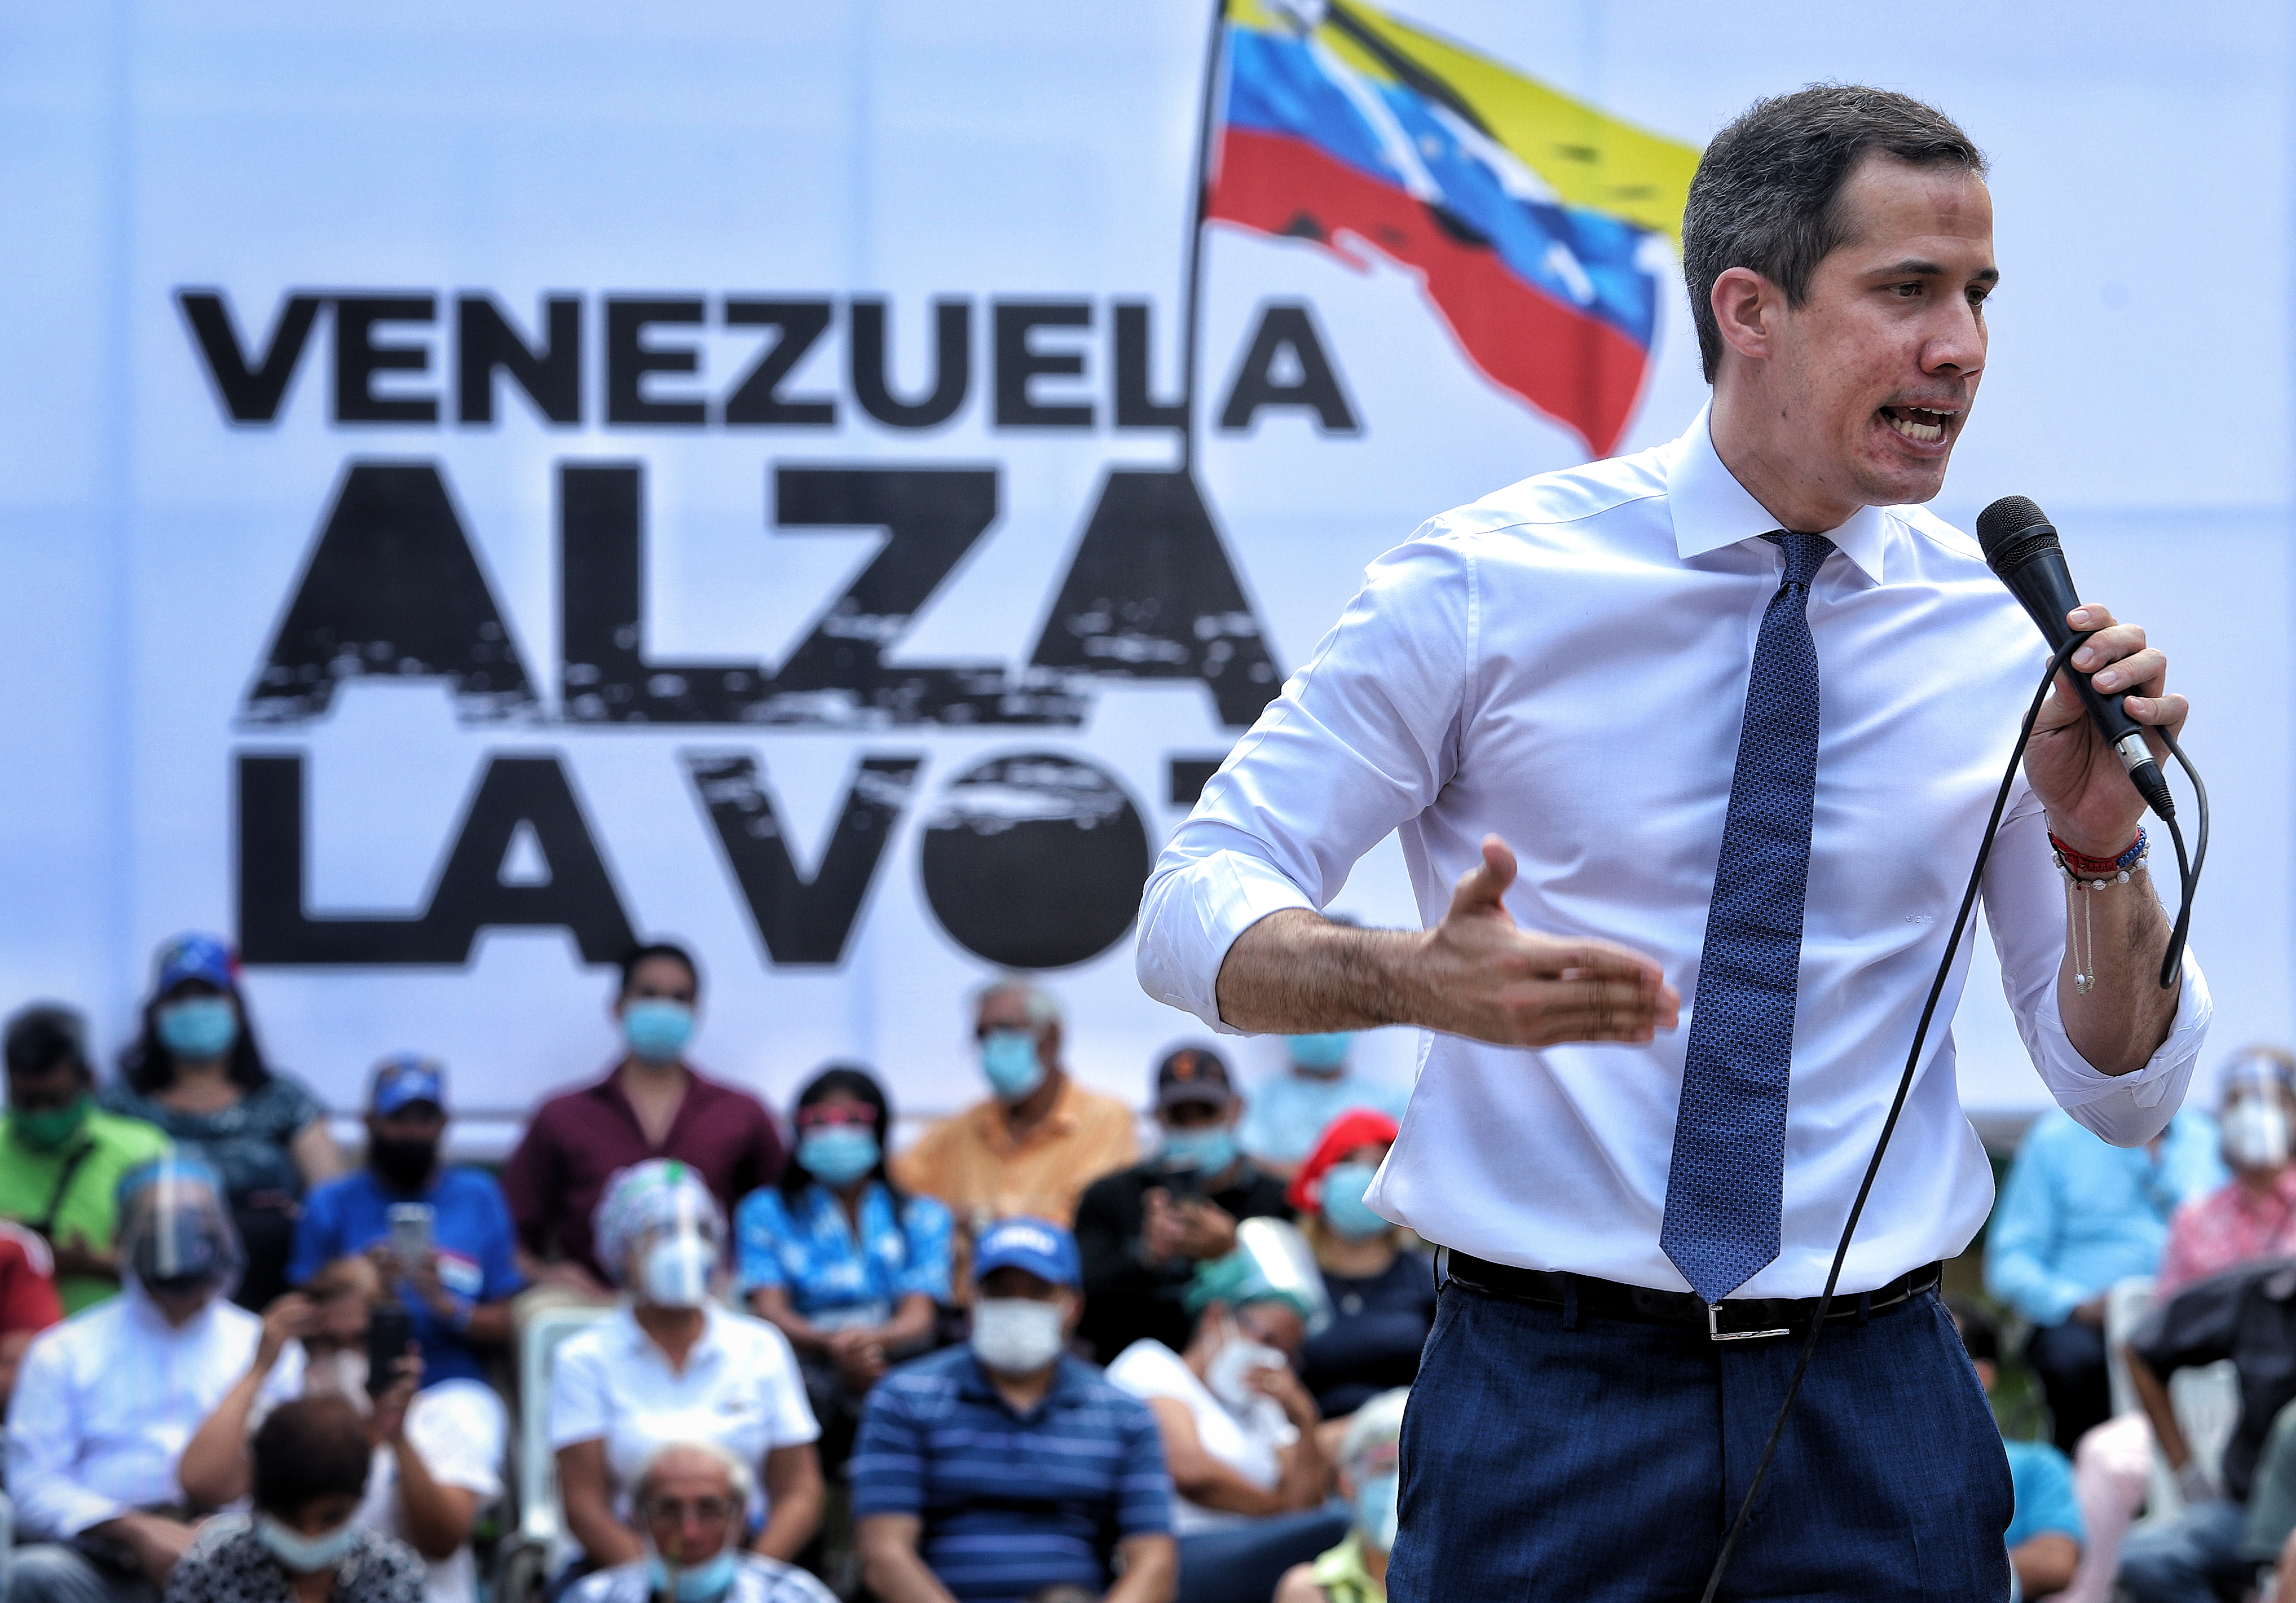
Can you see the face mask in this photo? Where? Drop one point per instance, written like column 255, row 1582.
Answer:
column 1344, row 1208
column 199, row 1029
column 1008, row 1057
column 1322, row 1054
column 47, row 1129
column 678, row 1269
column 657, row 1029
column 2256, row 1133
column 697, row 1583
column 1239, row 1357
column 405, row 1165
column 1205, row 1151
column 341, row 1373
column 1375, row 1512
column 838, row 1155
column 305, row 1554
column 1016, row 1335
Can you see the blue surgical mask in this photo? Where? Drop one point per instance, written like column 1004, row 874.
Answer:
column 1008, row 1058
column 199, row 1029
column 657, row 1027
column 697, row 1583
column 1343, row 1206
column 1375, row 1510
column 837, row 1156
column 1322, row 1054
column 305, row 1554
column 1206, row 1151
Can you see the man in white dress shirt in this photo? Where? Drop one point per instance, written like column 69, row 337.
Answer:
column 1591, row 703
column 106, row 1402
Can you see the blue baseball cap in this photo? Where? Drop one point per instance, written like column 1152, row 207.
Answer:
column 1038, row 1245
column 406, row 1077
column 196, row 956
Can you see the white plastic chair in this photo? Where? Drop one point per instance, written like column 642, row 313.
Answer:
column 541, row 1545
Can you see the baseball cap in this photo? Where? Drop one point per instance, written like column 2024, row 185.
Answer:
column 406, row 1077
column 1193, row 1074
column 196, row 956
column 1038, row 1245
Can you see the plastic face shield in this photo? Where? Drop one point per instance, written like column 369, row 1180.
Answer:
column 1283, row 1258
column 176, row 1237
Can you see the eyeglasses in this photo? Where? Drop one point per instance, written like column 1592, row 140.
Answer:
column 702, row 1510
column 836, row 1113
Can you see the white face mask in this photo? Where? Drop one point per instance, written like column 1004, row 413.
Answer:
column 1239, row 1357
column 1016, row 1336
column 341, row 1373
column 305, row 1554
column 2256, row 1133
column 678, row 1271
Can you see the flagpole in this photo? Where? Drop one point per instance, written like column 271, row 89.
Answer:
column 1199, row 199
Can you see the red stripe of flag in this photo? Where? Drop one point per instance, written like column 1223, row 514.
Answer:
column 1574, row 367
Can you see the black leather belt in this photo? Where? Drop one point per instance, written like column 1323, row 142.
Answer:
column 1734, row 1320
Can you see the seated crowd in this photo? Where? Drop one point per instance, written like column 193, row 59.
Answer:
column 231, row 1366
column 1016, row 1362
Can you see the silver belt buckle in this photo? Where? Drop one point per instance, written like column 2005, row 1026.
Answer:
column 1714, row 1334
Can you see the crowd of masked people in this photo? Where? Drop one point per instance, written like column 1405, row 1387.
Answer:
column 1018, row 1360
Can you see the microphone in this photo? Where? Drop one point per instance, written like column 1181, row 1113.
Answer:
column 2021, row 546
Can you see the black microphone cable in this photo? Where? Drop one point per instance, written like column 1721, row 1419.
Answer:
column 2188, row 874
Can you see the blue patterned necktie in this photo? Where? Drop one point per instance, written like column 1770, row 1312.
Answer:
column 1723, row 1190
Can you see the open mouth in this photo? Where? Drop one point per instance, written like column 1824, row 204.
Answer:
column 1919, row 424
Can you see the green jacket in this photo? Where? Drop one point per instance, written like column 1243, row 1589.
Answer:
column 72, row 1189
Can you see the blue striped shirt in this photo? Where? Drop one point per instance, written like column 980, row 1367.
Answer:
column 1010, row 1503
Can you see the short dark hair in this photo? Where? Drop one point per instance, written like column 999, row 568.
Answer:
column 1768, row 193
column 1980, row 1335
column 309, row 1448
column 652, row 949
column 44, row 1035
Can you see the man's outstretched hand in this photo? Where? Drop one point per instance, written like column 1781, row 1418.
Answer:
column 1476, row 974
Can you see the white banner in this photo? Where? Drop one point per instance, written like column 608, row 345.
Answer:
column 490, row 484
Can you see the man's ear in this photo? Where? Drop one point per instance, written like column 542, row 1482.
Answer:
column 1746, row 308
column 1049, row 1049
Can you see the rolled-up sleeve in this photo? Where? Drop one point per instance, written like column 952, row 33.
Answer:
column 1361, row 739
column 2025, row 908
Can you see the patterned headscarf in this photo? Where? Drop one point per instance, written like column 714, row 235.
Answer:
column 659, row 1194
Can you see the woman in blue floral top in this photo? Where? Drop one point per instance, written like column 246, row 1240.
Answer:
column 848, row 1266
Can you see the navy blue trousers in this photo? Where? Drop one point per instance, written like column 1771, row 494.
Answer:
column 1605, row 1462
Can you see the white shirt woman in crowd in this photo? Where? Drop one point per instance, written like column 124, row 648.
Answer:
column 671, row 1365
column 1239, row 1427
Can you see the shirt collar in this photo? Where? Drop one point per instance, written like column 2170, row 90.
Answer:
column 1711, row 509
column 972, row 1384
column 1063, row 1119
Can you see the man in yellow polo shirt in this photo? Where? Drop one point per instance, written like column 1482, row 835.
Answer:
column 62, row 1156
column 1039, row 1139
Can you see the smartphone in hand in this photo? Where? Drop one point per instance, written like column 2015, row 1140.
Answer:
column 389, row 1329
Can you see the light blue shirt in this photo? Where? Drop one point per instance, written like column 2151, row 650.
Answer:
column 2077, row 1214
column 827, row 1269
column 1282, row 1117
column 2041, row 1479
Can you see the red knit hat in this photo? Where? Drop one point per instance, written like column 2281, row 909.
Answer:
column 1357, row 1127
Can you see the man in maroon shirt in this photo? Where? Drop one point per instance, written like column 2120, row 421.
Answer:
column 650, row 1105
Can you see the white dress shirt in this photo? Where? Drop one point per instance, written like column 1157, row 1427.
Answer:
column 1565, row 663
column 106, row 1402
column 740, row 1388
column 458, row 1428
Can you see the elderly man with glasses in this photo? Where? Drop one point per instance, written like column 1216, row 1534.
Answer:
column 688, row 1505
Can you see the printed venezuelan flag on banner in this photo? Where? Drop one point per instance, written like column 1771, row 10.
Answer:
column 1532, row 218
